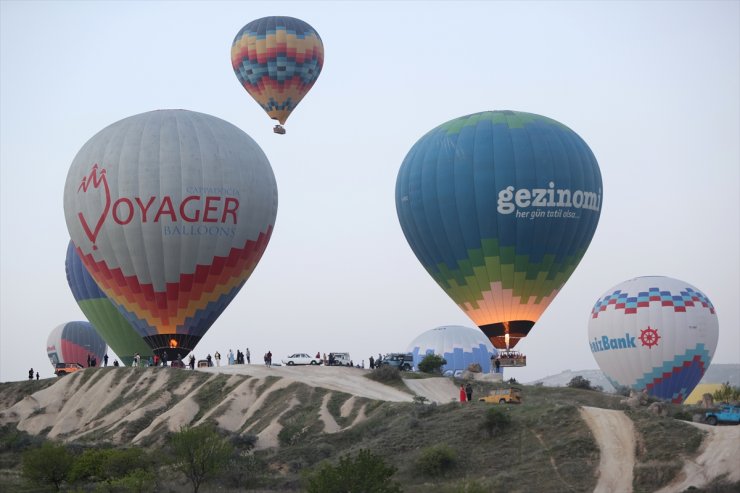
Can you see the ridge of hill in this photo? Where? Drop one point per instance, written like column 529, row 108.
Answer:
column 301, row 416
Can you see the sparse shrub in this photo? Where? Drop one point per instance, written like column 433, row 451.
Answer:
column 366, row 472
column 432, row 363
column 385, row 374
column 49, row 464
column 494, row 420
column 437, row 460
column 683, row 415
column 244, row 471
column 467, row 486
column 420, row 399
column 578, row 382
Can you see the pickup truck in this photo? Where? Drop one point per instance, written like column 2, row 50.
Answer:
column 725, row 414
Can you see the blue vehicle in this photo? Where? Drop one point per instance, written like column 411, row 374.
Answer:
column 725, row 414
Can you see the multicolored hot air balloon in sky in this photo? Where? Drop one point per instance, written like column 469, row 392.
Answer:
column 74, row 342
column 277, row 60
column 654, row 334
column 105, row 318
column 499, row 207
column 170, row 211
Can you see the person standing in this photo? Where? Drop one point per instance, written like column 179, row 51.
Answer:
column 37, row 375
column 469, row 392
column 463, row 395
column 192, row 362
column 105, row 359
column 498, row 365
column 249, row 357
column 371, row 361
column 217, row 357
column 231, row 357
column 269, row 358
column 88, row 360
column 30, row 374
column 209, row 360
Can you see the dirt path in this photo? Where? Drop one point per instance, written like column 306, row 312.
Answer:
column 615, row 436
column 718, row 456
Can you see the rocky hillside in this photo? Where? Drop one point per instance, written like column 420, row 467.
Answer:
column 302, row 415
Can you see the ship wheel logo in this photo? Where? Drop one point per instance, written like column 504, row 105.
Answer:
column 649, row 337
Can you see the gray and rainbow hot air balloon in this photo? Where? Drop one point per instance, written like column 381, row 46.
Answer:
column 170, row 212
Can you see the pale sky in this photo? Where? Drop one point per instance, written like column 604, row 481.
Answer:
column 652, row 87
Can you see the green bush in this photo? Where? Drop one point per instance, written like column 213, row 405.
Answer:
column 432, row 363
column 436, row 461
column 494, row 420
column 48, row 465
column 385, row 374
column 578, row 382
column 366, row 472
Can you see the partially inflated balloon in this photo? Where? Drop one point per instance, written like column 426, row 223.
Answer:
column 277, row 60
column 74, row 342
column 654, row 334
column 499, row 207
column 170, row 212
column 105, row 318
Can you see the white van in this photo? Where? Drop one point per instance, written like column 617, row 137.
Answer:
column 339, row 359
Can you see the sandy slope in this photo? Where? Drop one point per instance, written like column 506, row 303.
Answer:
column 615, row 436
column 719, row 454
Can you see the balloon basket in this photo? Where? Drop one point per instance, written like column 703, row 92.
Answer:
column 512, row 359
column 279, row 129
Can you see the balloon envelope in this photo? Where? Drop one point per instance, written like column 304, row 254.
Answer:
column 73, row 342
column 115, row 330
column 460, row 346
column 499, row 207
column 277, row 60
column 170, row 212
column 654, row 334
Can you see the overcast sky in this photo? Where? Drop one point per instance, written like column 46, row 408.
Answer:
column 652, row 87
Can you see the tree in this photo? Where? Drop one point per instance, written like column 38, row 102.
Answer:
column 48, row 464
column 200, row 453
column 366, row 473
column 726, row 393
column 432, row 363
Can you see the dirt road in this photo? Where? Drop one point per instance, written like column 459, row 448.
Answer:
column 615, row 436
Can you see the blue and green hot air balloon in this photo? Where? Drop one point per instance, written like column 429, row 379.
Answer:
column 107, row 321
column 500, row 207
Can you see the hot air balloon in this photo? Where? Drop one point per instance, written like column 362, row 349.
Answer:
column 459, row 346
column 105, row 318
column 499, row 207
column 277, row 60
column 170, row 211
column 74, row 342
column 654, row 334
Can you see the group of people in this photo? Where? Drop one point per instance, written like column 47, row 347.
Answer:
column 466, row 392
column 30, row 374
column 240, row 357
column 268, row 358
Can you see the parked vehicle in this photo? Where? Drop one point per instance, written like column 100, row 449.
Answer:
column 339, row 359
column 402, row 361
column 510, row 395
column 725, row 414
column 301, row 359
column 61, row 369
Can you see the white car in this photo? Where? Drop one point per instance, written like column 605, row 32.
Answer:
column 301, row 359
